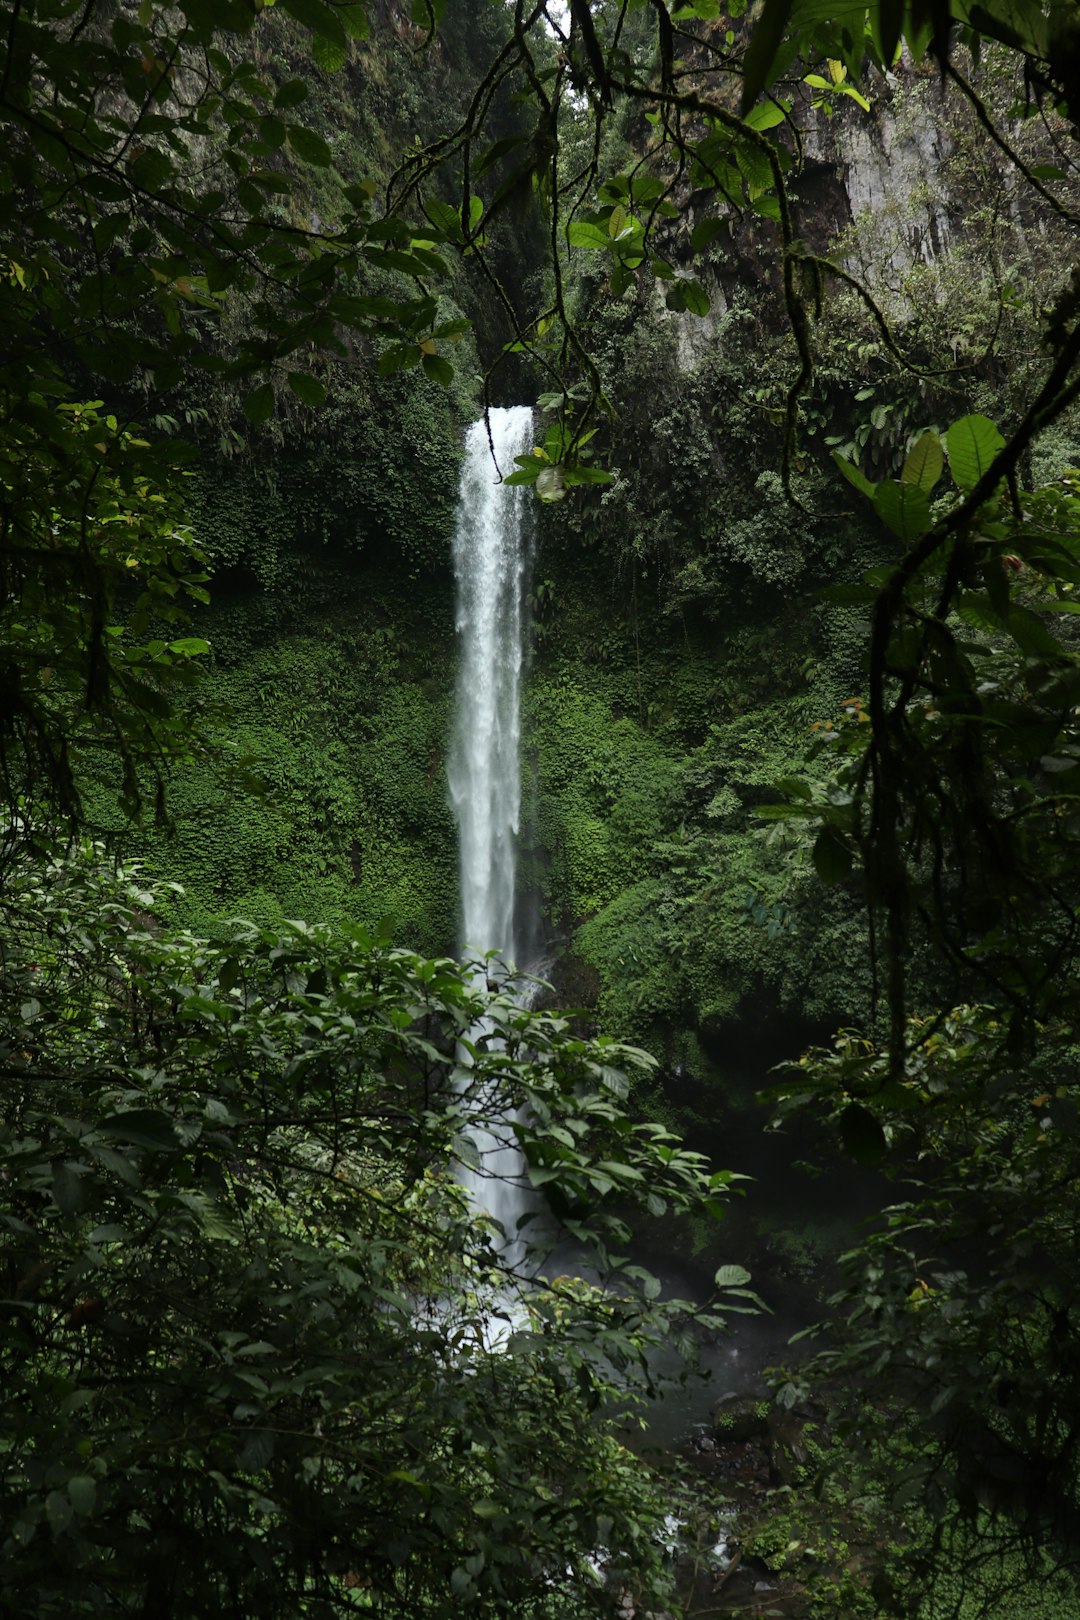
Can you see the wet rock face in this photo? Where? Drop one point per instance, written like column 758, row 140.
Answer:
column 886, row 167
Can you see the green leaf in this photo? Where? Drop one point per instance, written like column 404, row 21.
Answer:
column 330, row 54
column 972, row 443
column 1031, row 635
column 768, row 207
column 309, row 146
column 856, row 95
column 763, row 50
column 259, row 403
column 767, row 114
column 731, row 1277
column 581, row 233
column 141, row 1127
column 82, row 1493
column 439, row 369
column 706, row 231
column 924, row 463
column 862, row 1134
column 354, row 20
column 256, row 1450
column 306, row 388
column 58, row 1511
column 904, row 507
column 320, row 17
column 832, row 856
column 854, row 475
column 887, row 20
column 399, row 357
column 695, row 298
column 291, row 94
column 498, row 149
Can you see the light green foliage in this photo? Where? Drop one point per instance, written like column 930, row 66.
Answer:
column 343, row 723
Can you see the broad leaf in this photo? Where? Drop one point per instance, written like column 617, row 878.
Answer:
column 904, row 507
column 924, row 463
column 972, row 443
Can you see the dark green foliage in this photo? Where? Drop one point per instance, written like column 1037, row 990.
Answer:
column 248, row 1319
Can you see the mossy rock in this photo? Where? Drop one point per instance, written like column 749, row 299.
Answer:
column 738, row 1418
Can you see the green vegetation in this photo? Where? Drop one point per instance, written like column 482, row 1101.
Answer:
column 806, row 570
column 256, row 1350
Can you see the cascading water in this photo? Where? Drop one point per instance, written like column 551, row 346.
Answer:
column 490, row 559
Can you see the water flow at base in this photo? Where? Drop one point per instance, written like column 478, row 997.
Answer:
column 490, row 560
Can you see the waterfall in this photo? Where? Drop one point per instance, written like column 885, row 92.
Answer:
column 490, row 558
column 485, row 785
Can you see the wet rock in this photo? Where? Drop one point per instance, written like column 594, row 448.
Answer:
column 788, row 1451
column 738, row 1418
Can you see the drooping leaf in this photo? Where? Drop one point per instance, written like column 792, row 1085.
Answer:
column 320, row 17
column 862, row 1134
column 854, row 475
column 763, row 50
column 695, row 298
column 706, row 231
column 330, row 54
column 439, row 368
column 141, row 1127
column 582, row 233
column 309, row 146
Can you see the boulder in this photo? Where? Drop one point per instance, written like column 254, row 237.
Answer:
column 738, row 1418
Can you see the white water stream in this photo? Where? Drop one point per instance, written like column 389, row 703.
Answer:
column 491, row 555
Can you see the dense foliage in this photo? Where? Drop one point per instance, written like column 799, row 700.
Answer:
column 245, row 1323
column 256, row 1351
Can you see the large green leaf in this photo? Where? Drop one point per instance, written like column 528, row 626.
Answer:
column 582, row 233
column 259, row 403
column 854, row 475
column 309, row 146
column 972, row 443
column 924, row 462
column 832, row 856
column 904, row 507
column 307, row 388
